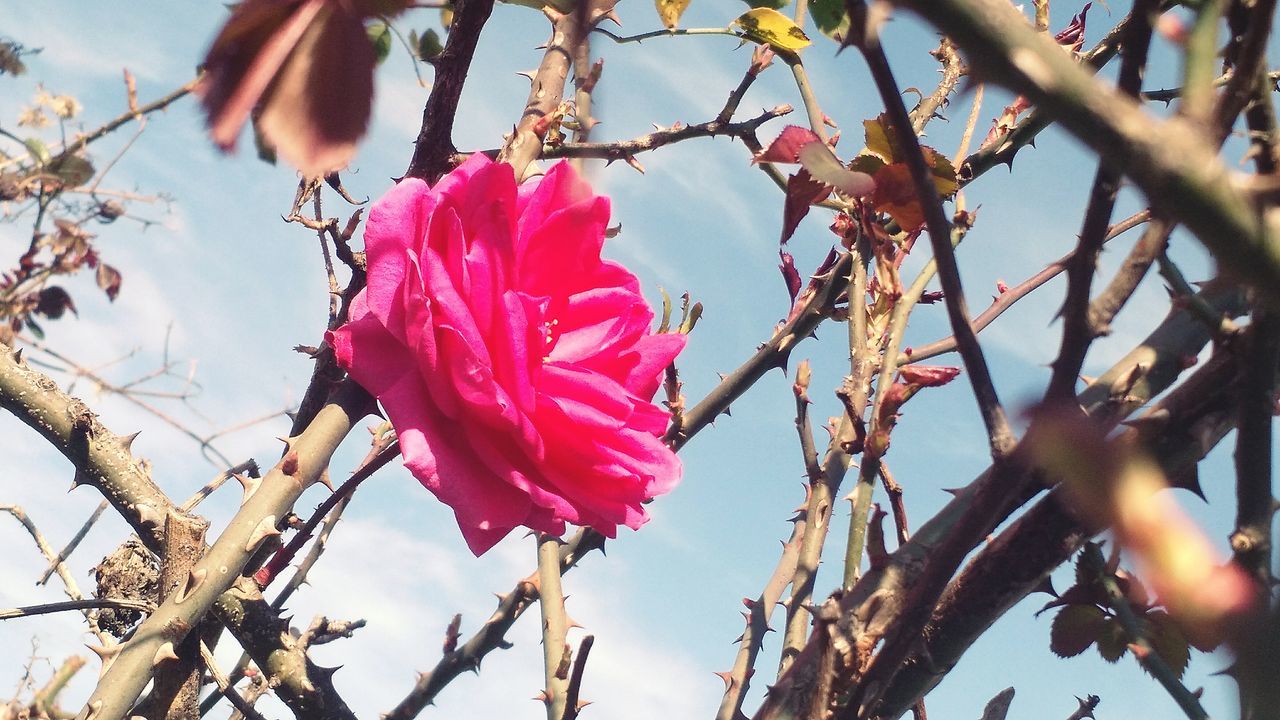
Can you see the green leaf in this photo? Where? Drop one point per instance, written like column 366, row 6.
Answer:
column 774, row 4
column 72, row 170
column 428, row 46
column 831, row 18
column 1167, row 639
column 867, row 163
column 38, row 150
column 1113, row 642
column 380, row 36
column 882, row 139
column 944, row 173
column 1075, row 628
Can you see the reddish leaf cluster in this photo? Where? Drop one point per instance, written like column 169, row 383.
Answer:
column 1071, row 39
column 25, row 292
column 911, row 378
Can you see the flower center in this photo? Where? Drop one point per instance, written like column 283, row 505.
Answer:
column 551, row 334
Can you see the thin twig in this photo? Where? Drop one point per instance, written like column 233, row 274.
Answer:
column 378, row 458
column 490, row 636
column 249, row 467
column 70, row 587
column 999, row 434
column 1006, row 299
column 224, row 686
column 1077, row 331
column 623, row 149
column 83, row 604
column 73, row 543
column 434, row 145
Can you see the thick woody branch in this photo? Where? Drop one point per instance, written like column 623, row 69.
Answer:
column 263, row 509
column 305, row 687
column 879, row 598
column 100, row 457
column 547, row 88
column 1178, row 431
column 434, row 146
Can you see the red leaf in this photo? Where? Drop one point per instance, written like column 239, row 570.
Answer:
column 53, row 302
column 109, row 280
column 786, row 147
column 802, row 192
column 789, row 274
column 1072, row 36
column 307, row 65
column 928, row 375
column 244, row 59
column 895, row 194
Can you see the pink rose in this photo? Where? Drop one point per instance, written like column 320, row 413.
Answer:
column 517, row 366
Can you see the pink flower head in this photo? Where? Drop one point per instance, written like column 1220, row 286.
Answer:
column 517, row 366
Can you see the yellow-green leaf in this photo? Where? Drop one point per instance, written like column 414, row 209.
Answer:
column 669, row 11
column 944, row 174
column 770, row 27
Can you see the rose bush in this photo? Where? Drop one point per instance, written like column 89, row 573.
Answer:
column 517, row 366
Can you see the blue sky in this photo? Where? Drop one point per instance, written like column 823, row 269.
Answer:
column 235, row 288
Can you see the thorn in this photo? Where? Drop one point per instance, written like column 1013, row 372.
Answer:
column 90, row 711
column 164, row 652
column 727, row 677
column 633, row 162
column 530, row 74
column 126, row 441
column 107, row 654
column 148, row 514
column 77, row 480
column 324, row 479
column 1154, row 421
column 194, row 580
column 265, row 528
column 17, row 356
column 250, row 485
